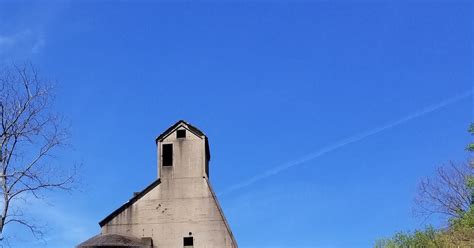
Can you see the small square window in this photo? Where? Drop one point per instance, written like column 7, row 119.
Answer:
column 188, row 241
column 181, row 133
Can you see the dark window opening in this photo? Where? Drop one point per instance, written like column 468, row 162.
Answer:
column 188, row 241
column 181, row 133
column 167, row 154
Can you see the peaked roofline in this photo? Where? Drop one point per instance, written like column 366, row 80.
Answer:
column 191, row 128
column 135, row 198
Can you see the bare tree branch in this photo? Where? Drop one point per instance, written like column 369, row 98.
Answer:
column 447, row 193
column 30, row 134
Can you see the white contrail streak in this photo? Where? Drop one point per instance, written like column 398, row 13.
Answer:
column 347, row 141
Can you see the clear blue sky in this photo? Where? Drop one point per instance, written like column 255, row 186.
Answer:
column 322, row 116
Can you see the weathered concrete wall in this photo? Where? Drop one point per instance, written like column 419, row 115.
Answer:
column 181, row 204
column 171, row 211
column 189, row 157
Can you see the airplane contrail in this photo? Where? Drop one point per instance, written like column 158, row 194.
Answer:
column 347, row 141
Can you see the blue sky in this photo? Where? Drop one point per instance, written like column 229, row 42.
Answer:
column 322, row 115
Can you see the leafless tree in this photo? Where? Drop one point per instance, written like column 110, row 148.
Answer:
column 30, row 134
column 447, row 193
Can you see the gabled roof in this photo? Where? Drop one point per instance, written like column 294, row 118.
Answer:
column 135, row 198
column 191, row 128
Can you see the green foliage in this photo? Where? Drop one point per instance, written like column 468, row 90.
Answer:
column 460, row 232
column 427, row 238
column 466, row 221
column 459, row 235
column 470, row 147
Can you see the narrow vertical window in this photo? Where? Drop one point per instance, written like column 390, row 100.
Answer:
column 167, row 154
column 188, row 242
column 181, row 133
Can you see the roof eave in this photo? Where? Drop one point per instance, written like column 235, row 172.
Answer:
column 191, row 128
column 129, row 203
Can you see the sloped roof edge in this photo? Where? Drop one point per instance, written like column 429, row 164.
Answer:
column 191, row 127
column 115, row 240
column 129, row 203
column 221, row 212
